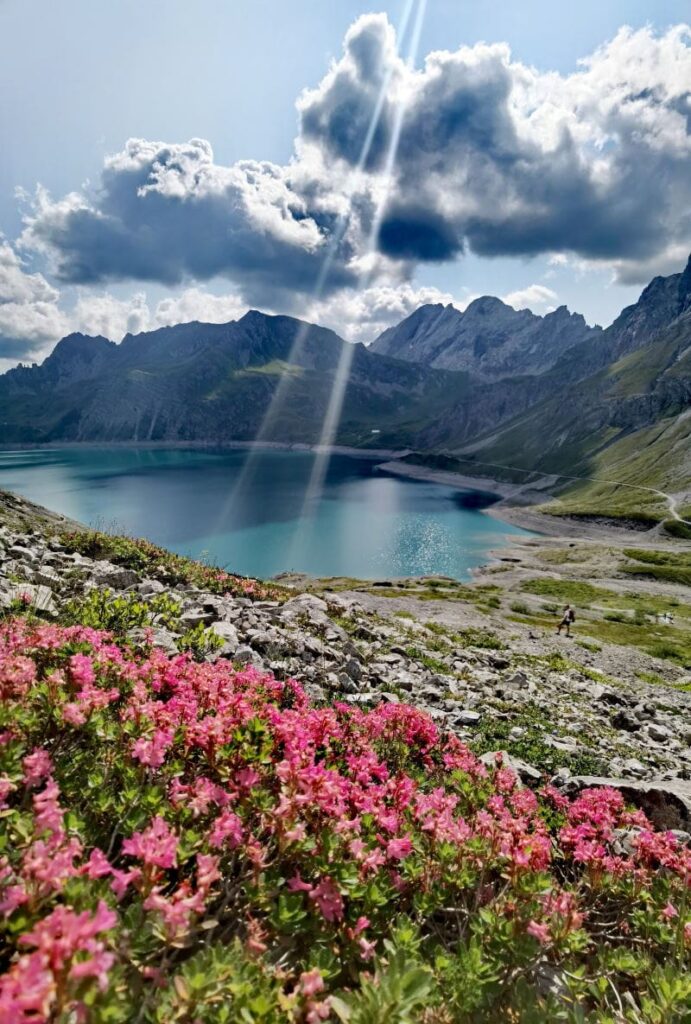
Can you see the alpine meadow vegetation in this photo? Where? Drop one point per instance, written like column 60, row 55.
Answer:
column 189, row 841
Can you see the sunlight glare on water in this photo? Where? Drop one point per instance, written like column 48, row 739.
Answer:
column 363, row 523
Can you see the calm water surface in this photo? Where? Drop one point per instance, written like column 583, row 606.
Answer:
column 249, row 511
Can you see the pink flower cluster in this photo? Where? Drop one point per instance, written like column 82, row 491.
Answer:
column 256, row 801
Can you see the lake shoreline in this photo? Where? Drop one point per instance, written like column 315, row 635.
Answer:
column 518, row 504
column 288, row 446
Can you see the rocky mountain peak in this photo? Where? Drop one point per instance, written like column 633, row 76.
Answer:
column 487, row 305
column 78, row 344
column 490, row 339
column 685, row 288
column 77, row 357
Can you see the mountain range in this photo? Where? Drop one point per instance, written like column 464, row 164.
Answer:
column 499, row 391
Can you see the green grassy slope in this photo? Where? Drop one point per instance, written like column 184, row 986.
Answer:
column 629, row 424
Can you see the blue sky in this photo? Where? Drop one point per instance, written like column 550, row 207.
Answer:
column 83, row 77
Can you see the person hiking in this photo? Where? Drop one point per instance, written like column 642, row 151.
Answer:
column 568, row 617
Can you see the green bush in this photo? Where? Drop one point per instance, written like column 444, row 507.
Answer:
column 200, row 642
column 119, row 613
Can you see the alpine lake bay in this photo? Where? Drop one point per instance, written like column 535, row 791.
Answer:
column 254, row 512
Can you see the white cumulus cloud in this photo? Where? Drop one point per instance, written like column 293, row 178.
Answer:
column 536, row 297
column 474, row 150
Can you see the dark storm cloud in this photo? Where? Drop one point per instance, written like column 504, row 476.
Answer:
column 517, row 163
column 417, row 234
column 480, row 152
column 350, row 115
column 168, row 212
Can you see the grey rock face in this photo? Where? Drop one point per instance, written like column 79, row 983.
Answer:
column 39, row 597
column 25, row 554
column 468, row 717
column 490, row 339
column 626, row 720
column 114, row 577
column 246, row 656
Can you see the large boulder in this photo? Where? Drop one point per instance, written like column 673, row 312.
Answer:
column 226, row 632
column 114, row 577
column 39, row 597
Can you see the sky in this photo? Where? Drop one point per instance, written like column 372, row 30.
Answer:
column 164, row 161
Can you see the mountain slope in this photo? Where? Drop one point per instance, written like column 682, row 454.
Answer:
column 489, row 339
column 629, row 422
column 215, row 382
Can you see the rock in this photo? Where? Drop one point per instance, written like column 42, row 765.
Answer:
column 347, row 684
column 467, row 718
column 625, row 720
column 430, row 695
column 115, row 577
column 624, row 841
column 353, row 668
column 363, row 633
column 403, row 680
column 315, row 692
column 632, row 766
column 47, row 577
column 389, row 698
column 193, row 617
column 246, row 656
column 147, row 588
column 368, row 700
column 22, row 554
column 658, row 732
column 527, row 773
column 305, row 604
column 645, row 710
column 666, row 803
column 229, row 635
column 519, row 680
column 499, row 661
column 611, row 697
column 40, row 597
column 563, row 743
column 159, row 637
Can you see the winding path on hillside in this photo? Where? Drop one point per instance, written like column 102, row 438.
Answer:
column 669, row 499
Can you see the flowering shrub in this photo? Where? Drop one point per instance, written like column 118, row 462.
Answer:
column 188, row 842
column 146, row 557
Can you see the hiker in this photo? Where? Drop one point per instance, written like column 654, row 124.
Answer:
column 568, row 617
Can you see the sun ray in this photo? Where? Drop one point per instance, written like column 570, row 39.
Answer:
column 334, row 410
column 333, row 413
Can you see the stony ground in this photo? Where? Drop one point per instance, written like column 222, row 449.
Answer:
column 482, row 659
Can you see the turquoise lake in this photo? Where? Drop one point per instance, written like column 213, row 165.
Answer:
column 266, row 511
